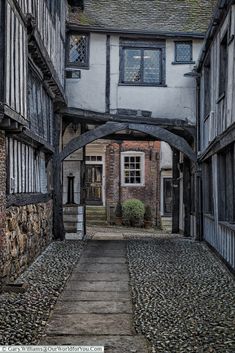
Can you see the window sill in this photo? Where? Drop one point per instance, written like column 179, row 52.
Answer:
column 221, row 97
column 228, row 225
column 183, row 62
column 140, row 84
column 132, row 185
column 70, row 67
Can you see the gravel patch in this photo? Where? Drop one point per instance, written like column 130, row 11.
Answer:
column 23, row 316
column 183, row 297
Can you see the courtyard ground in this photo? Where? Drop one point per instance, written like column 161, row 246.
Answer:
column 131, row 290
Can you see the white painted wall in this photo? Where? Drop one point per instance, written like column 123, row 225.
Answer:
column 174, row 101
column 165, row 156
column 89, row 91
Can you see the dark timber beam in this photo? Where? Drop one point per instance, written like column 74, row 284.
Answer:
column 58, row 224
column 89, row 136
column 109, row 128
column 187, row 196
column 175, row 192
column 164, row 135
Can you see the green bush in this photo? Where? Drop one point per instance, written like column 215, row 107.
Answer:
column 133, row 212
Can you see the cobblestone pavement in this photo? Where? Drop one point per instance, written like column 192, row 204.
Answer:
column 23, row 316
column 183, row 297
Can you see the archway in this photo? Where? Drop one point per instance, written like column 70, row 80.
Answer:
column 177, row 142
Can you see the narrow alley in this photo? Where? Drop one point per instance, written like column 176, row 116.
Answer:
column 129, row 290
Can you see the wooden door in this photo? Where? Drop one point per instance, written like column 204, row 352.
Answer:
column 94, row 176
column 167, row 190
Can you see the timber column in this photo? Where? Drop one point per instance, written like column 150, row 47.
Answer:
column 58, row 224
column 187, row 196
column 175, row 192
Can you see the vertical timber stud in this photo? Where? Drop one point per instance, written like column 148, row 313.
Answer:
column 198, row 204
column 2, row 49
column 83, row 183
column 175, row 192
column 187, row 196
column 58, row 224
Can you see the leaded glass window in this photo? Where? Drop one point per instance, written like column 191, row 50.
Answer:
column 142, row 63
column 183, row 52
column 78, row 49
column 133, row 168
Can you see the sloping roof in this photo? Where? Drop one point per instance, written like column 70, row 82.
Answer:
column 146, row 15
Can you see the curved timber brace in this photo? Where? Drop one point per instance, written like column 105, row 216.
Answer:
column 109, row 128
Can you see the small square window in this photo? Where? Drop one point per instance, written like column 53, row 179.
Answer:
column 132, row 168
column 183, row 52
column 78, row 50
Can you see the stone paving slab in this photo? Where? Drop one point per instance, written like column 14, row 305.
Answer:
column 119, row 268
column 67, row 295
column 103, row 260
column 112, row 344
column 105, row 253
column 98, row 286
column 86, row 324
column 100, row 276
column 94, row 307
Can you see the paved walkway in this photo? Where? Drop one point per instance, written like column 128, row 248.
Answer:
column 95, row 307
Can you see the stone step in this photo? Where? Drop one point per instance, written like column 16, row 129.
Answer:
column 96, row 222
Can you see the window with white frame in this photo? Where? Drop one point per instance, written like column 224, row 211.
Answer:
column 132, row 168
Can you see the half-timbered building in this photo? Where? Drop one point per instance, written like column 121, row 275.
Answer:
column 125, row 80
column 32, row 45
column 216, row 132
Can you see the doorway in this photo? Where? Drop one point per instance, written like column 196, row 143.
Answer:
column 94, row 179
column 167, row 196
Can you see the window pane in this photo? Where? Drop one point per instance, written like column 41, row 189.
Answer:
column 152, row 66
column 132, row 60
column 78, row 49
column 183, row 52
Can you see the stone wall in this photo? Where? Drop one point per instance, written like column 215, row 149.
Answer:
column 2, row 193
column 28, row 231
column 150, row 192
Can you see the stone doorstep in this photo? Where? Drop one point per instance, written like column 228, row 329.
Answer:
column 90, row 324
column 112, row 344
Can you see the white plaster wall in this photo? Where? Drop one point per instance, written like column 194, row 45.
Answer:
column 174, row 101
column 71, row 167
column 89, row 91
column 165, row 156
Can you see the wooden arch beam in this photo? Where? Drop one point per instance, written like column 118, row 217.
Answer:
column 111, row 127
column 164, row 135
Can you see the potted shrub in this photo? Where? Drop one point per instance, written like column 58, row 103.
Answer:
column 118, row 214
column 148, row 218
column 133, row 212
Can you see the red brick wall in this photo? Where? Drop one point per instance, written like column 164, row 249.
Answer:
column 150, row 192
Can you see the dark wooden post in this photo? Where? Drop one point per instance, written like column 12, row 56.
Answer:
column 198, row 204
column 83, row 181
column 175, row 192
column 58, row 224
column 186, row 196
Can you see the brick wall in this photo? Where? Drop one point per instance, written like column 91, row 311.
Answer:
column 150, row 192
